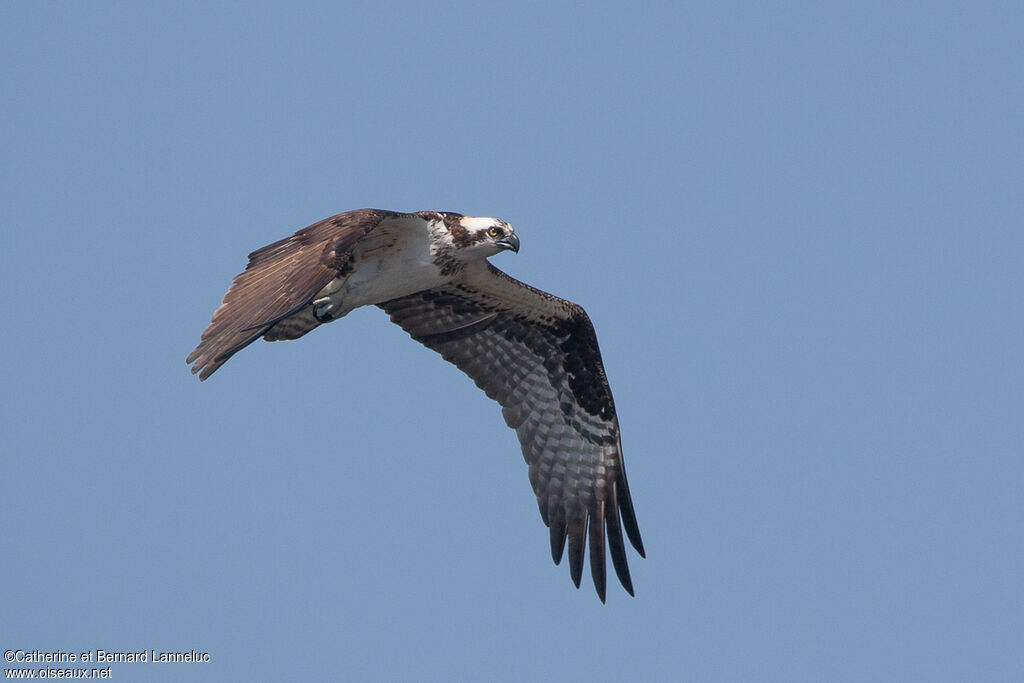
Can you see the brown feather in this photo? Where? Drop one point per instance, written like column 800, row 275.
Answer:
column 537, row 355
column 280, row 280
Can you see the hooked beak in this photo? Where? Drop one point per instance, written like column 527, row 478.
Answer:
column 509, row 242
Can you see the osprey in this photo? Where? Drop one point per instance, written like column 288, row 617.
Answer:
column 533, row 353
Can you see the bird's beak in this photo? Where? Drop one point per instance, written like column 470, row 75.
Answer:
column 510, row 242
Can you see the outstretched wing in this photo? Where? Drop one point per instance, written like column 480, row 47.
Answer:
column 537, row 356
column 280, row 280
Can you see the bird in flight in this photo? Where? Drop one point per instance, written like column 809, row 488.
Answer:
column 532, row 352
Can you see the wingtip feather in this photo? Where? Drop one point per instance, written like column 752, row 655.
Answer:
column 597, row 566
column 577, row 531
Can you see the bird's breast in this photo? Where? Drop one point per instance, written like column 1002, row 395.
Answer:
column 385, row 271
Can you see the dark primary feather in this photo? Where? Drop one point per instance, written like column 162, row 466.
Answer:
column 280, row 280
column 537, row 355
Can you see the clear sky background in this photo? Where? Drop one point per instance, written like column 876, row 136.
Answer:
column 797, row 228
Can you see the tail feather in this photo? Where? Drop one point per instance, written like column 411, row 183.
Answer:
column 292, row 327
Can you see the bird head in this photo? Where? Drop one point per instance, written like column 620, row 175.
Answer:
column 478, row 238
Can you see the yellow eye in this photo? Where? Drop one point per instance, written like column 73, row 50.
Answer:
column 494, row 232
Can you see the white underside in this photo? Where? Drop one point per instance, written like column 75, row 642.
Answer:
column 393, row 261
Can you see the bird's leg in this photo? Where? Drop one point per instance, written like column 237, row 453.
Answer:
column 323, row 310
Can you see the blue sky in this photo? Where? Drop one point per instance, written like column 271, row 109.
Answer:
column 796, row 227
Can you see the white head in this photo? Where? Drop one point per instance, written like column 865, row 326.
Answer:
column 474, row 237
